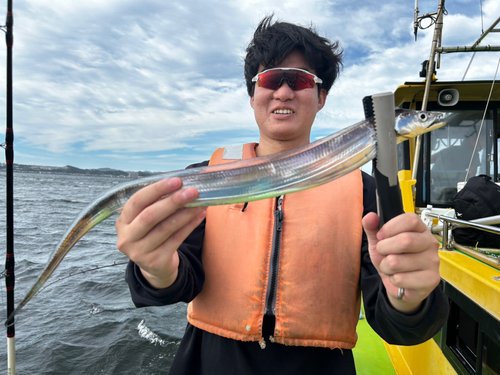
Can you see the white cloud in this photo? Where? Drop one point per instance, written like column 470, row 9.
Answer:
column 123, row 78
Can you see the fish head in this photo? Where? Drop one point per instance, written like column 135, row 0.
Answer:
column 411, row 123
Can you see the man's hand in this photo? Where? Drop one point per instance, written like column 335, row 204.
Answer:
column 405, row 254
column 151, row 228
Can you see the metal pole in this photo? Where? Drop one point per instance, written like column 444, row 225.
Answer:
column 491, row 220
column 490, row 29
column 472, row 252
column 428, row 80
column 460, row 49
column 9, row 158
column 465, row 223
column 415, row 20
column 445, row 235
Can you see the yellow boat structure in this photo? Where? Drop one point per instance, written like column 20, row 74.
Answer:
column 431, row 171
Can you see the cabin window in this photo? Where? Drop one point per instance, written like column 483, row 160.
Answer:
column 458, row 152
column 491, row 357
column 470, row 338
column 462, row 337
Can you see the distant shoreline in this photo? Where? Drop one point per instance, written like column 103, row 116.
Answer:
column 70, row 170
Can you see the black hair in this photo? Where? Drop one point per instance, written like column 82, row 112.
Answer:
column 274, row 41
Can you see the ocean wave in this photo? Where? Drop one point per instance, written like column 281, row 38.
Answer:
column 95, row 309
column 149, row 335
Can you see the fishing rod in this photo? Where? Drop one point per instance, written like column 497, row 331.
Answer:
column 9, row 159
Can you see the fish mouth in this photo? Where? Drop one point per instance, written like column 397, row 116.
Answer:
column 438, row 121
column 425, row 122
column 435, row 125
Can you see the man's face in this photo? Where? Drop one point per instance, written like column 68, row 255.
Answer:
column 284, row 114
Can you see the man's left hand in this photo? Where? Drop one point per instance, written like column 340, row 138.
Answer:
column 405, row 254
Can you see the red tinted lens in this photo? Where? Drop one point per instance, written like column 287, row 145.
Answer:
column 296, row 79
column 303, row 81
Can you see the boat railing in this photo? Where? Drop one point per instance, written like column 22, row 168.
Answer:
column 442, row 233
column 491, row 220
column 449, row 222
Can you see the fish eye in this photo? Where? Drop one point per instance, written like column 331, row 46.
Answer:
column 422, row 116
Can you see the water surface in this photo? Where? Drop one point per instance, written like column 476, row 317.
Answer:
column 87, row 323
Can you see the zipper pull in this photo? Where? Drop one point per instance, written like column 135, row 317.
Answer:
column 280, row 213
column 279, row 225
column 262, row 343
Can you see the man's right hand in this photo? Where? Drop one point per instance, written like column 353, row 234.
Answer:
column 151, row 229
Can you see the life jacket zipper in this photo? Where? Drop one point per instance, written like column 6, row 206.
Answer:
column 275, row 257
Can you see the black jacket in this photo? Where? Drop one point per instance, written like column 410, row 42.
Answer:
column 201, row 352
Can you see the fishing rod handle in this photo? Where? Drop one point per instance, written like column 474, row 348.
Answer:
column 385, row 165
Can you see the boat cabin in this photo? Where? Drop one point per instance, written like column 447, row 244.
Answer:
column 469, row 342
column 467, row 146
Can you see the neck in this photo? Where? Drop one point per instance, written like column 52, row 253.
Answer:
column 267, row 147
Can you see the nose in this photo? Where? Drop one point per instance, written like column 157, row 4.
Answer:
column 284, row 92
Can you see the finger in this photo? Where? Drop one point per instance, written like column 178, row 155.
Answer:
column 180, row 236
column 408, row 222
column 171, row 225
column 424, row 281
column 148, row 195
column 159, row 261
column 407, row 242
column 402, row 263
column 371, row 223
column 416, row 287
column 159, row 211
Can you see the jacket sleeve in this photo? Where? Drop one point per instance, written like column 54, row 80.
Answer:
column 393, row 326
column 189, row 280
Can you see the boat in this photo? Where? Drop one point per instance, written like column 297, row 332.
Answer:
column 469, row 341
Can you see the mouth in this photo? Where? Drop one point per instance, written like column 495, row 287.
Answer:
column 283, row 111
column 435, row 125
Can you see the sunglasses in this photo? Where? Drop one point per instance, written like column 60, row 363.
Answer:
column 297, row 79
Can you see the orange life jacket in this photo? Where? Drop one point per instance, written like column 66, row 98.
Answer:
column 317, row 295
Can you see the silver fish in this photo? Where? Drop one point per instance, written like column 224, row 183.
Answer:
column 251, row 179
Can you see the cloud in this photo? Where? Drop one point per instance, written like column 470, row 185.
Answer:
column 384, row 69
column 134, row 81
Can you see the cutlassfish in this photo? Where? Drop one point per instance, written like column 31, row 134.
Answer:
column 251, row 179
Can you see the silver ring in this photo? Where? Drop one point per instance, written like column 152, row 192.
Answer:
column 401, row 293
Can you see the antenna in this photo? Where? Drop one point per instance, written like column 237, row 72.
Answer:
column 415, row 20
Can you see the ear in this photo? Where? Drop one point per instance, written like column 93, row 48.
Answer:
column 322, row 99
column 252, row 102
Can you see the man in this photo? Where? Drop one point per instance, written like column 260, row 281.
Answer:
column 274, row 285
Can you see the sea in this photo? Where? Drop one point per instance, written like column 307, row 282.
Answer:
column 84, row 322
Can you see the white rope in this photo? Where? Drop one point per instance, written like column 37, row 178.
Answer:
column 468, row 66
column 482, row 122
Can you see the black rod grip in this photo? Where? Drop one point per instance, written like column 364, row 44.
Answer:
column 389, row 201
column 385, row 165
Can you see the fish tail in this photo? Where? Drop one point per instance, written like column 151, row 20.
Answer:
column 77, row 231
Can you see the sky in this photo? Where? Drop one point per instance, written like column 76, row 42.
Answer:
column 157, row 85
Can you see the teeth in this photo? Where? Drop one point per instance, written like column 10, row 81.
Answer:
column 283, row 112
